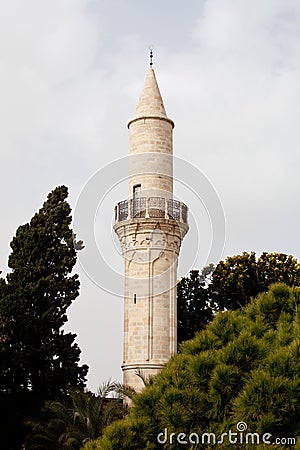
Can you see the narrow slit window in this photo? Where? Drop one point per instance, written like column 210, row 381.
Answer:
column 137, row 191
column 134, row 299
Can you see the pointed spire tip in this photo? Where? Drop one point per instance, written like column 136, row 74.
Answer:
column 151, row 57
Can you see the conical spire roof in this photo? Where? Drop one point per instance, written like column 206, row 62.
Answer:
column 150, row 102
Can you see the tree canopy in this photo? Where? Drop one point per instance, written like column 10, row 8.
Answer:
column 230, row 285
column 39, row 360
column 67, row 424
column 238, row 375
column 194, row 309
column 241, row 277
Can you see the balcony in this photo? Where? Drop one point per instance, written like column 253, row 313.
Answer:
column 151, row 207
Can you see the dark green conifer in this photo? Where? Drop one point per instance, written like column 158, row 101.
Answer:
column 39, row 360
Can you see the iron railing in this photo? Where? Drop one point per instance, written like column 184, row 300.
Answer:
column 151, row 207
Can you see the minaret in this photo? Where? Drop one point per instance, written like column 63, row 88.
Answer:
column 150, row 225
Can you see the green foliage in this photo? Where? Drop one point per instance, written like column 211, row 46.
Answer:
column 124, row 436
column 193, row 306
column 38, row 360
column 230, row 285
column 244, row 366
column 241, row 277
column 80, row 417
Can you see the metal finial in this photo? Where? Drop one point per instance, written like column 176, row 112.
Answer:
column 151, row 58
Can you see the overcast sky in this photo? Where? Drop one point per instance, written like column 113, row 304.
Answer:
column 71, row 72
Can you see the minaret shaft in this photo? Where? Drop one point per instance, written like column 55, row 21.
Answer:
column 150, row 226
column 151, row 148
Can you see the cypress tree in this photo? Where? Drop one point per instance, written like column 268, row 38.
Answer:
column 39, row 361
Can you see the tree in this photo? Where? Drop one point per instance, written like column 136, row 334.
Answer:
column 78, row 418
column 38, row 360
column 230, row 285
column 241, row 370
column 194, row 310
column 241, row 277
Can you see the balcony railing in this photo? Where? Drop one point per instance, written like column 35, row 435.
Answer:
column 151, row 207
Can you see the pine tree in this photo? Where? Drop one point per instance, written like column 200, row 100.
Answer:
column 242, row 368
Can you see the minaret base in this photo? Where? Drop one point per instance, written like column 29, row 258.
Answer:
column 136, row 374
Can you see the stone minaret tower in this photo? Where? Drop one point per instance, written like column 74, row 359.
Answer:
column 150, row 225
